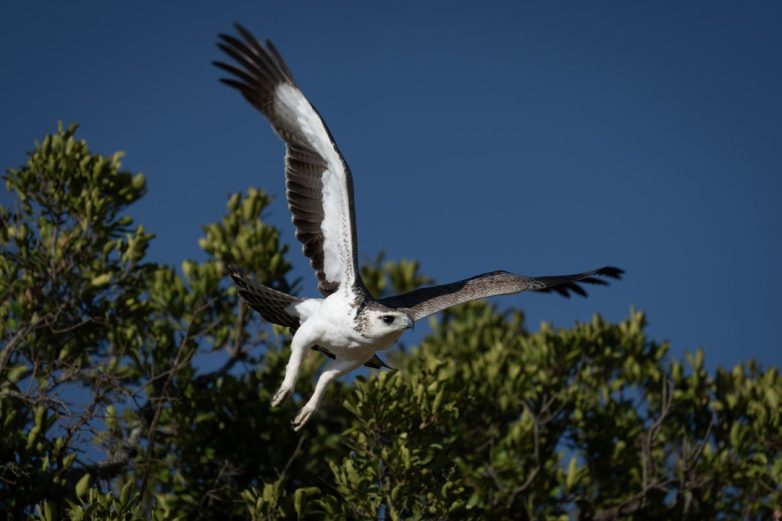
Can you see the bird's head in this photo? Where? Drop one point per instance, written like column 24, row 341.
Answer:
column 381, row 322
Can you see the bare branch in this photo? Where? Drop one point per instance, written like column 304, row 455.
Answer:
column 163, row 395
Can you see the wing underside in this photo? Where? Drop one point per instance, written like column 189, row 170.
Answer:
column 426, row 301
column 318, row 181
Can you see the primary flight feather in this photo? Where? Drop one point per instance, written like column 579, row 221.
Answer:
column 348, row 325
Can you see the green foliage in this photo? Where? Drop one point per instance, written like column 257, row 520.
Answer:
column 94, row 506
column 109, row 411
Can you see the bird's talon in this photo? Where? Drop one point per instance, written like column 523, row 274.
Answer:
column 301, row 419
column 281, row 395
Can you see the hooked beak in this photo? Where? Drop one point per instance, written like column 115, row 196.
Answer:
column 410, row 322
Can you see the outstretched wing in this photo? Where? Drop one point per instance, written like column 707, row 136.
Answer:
column 277, row 307
column 318, row 181
column 423, row 302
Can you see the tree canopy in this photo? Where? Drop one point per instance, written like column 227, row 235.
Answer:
column 112, row 405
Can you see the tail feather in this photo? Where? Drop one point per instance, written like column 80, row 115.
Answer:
column 273, row 305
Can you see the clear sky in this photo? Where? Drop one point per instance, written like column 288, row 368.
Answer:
column 541, row 138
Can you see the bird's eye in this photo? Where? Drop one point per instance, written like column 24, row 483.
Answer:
column 388, row 319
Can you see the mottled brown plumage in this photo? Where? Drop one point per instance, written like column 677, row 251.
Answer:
column 423, row 302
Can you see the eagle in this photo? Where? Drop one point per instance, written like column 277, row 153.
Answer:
column 346, row 324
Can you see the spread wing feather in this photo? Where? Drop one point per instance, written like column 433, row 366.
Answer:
column 318, row 181
column 423, row 302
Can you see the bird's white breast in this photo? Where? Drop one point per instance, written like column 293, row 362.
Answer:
column 330, row 323
column 336, row 316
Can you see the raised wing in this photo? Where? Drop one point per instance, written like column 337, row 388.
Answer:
column 318, row 181
column 276, row 307
column 423, row 302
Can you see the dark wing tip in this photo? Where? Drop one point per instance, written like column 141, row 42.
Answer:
column 280, row 62
column 226, row 67
column 571, row 284
column 226, row 38
column 245, row 33
column 610, row 271
column 236, row 84
column 575, row 288
column 256, row 70
column 236, row 74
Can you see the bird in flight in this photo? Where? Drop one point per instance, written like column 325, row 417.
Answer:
column 347, row 324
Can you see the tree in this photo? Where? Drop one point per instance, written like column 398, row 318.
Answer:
column 108, row 410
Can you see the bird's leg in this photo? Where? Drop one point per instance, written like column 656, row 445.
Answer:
column 298, row 349
column 333, row 370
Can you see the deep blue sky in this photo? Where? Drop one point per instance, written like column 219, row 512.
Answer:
column 540, row 138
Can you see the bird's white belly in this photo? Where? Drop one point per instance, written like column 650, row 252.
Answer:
column 341, row 338
column 331, row 324
column 335, row 336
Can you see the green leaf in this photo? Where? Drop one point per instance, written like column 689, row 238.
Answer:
column 17, row 372
column 83, row 485
column 124, row 494
column 300, row 496
column 48, row 511
column 139, row 181
column 101, row 280
column 572, row 473
column 67, row 461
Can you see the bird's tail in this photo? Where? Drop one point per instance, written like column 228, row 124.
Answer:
column 274, row 306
